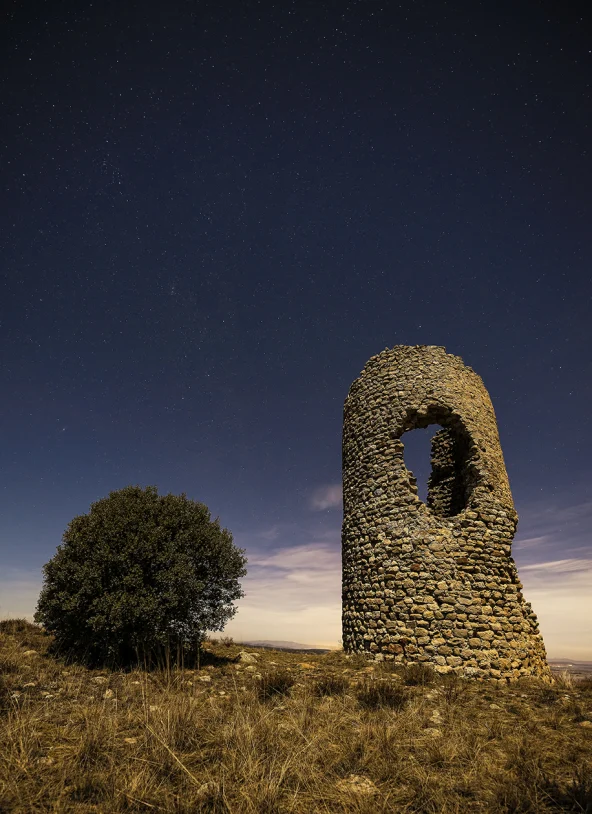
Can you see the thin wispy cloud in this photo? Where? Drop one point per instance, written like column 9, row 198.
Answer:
column 546, row 529
column 560, row 592
column 329, row 496
column 576, row 566
column 317, row 556
column 530, row 542
column 293, row 594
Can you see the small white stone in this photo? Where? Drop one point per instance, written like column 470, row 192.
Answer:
column 357, row 784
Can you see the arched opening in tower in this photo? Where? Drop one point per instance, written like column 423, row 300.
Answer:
column 438, row 460
column 417, row 456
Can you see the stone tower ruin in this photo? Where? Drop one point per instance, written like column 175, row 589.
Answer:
column 431, row 582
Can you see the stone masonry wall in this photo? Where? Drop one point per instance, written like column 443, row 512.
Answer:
column 431, row 582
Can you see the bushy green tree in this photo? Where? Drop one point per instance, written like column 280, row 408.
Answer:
column 140, row 572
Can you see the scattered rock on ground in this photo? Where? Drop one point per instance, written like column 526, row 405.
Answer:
column 357, row 784
column 247, row 658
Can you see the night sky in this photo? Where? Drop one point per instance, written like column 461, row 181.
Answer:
column 214, row 213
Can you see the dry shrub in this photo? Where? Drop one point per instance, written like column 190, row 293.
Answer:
column 23, row 633
column 9, row 664
column 584, row 685
column 530, row 788
column 454, row 689
column 275, row 684
column 358, row 661
column 392, row 668
column 182, row 727
column 226, row 641
column 419, row 675
column 381, row 694
column 92, row 788
column 17, row 627
column 95, row 746
column 547, row 696
column 330, row 685
column 564, row 681
column 579, row 790
column 5, row 693
column 576, row 712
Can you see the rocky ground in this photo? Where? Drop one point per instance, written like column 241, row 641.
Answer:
column 259, row 730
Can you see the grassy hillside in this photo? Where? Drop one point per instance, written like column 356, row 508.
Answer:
column 283, row 733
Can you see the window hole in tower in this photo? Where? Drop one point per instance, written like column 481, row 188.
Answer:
column 417, row 455
column 438, row 461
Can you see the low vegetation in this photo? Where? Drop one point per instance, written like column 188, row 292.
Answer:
column 276, row 732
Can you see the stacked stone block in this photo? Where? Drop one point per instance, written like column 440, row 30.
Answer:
column 431, row 582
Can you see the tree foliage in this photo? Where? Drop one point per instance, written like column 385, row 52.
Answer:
column 138, row 572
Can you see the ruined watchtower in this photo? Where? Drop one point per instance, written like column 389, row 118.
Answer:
column 431, row 582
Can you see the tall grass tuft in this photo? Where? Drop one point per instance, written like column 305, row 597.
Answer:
column 382, row 695
column 275, row 684
column 419, row 675
column 330, row 685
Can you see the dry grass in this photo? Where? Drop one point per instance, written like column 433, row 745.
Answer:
column 295, row 733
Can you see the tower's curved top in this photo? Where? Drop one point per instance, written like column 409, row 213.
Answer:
column 409, row 387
